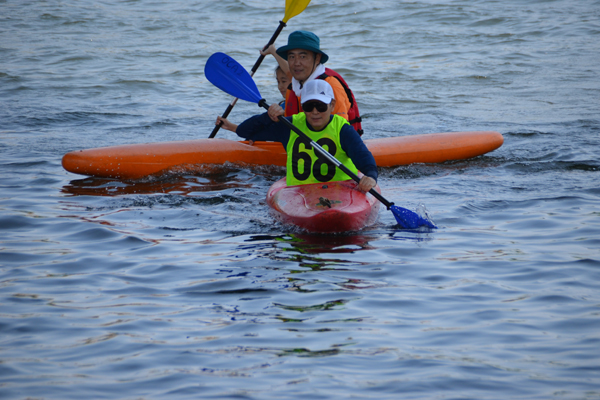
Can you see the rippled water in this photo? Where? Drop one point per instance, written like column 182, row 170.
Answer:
column 182, row 286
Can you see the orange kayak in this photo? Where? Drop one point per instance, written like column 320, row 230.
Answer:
column 136, row 161
column 323, row 207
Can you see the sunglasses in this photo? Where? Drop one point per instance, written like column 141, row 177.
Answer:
column 311, row 105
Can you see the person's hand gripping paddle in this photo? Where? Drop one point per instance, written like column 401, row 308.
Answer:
column 292, row 8
column 229, row 76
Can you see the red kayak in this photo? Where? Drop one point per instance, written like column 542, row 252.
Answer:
column 330, row 207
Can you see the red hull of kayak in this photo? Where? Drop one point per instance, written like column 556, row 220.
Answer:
column 330, row 207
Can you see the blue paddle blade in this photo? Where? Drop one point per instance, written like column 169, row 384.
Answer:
column 229, row 76
column 409, row 219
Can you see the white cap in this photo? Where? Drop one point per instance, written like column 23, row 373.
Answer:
column 317, row 89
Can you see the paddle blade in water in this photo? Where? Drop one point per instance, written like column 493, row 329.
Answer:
column 293, row 8
column 409, row 219
column 229, row 76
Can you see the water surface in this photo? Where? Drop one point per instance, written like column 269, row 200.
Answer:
column 183, row 286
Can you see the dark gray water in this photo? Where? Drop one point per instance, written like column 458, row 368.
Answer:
column 183, row 286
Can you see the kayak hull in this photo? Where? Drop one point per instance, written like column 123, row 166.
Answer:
column 136, row 161
column 330, row 207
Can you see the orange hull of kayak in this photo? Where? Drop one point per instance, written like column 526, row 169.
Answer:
column 136, row 161
column 433, row 147
column 330, row 207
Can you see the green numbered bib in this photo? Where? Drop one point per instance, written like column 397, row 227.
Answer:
column 305, row 165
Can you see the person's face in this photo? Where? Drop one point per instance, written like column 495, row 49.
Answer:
column 302, row 63
column 282, row 82
column 316, row 118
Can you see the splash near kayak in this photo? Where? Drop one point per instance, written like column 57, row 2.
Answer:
column 136, row 161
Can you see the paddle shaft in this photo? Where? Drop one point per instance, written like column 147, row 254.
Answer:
column 327, row 155
column 252, row 71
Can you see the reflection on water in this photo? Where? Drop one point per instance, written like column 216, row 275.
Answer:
column 173, row 184
column 318, row 244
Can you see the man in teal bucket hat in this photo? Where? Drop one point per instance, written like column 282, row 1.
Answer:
column 305, row 61
column 303, row 40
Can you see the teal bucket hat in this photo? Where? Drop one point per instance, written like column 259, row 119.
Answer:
column 303, row 40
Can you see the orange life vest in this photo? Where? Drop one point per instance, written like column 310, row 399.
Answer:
column 292, row 105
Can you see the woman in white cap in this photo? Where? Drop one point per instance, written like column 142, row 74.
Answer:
column 332, row 132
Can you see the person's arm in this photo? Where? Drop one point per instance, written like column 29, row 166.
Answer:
column 358, row 152
column 283, row 64
column 342, row 104
column 230, row 126
column 262, row 127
